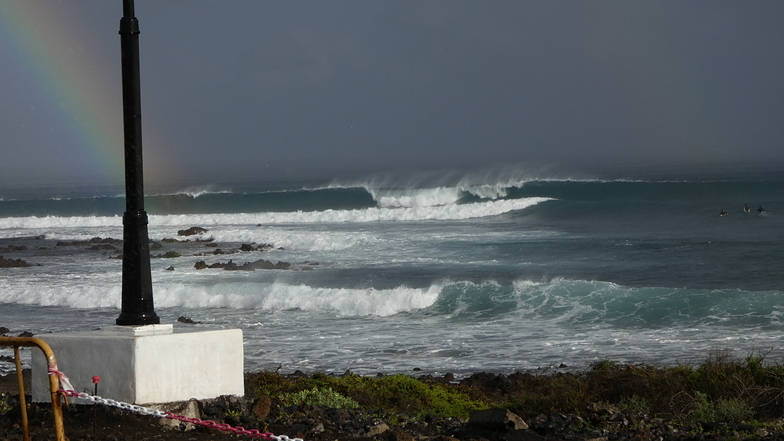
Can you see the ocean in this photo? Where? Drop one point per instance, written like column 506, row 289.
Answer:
column 423, row 276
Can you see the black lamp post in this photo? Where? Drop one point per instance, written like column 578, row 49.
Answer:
column 137, row 303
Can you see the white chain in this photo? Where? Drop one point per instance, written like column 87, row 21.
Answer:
column 119, row 404
column 148, row 411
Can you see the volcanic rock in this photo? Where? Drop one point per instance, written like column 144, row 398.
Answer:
column 12, row 263
column 497, row 419
column 247, row 266
column 191, row 231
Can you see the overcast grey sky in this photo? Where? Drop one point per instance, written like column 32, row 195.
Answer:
column 257, row 88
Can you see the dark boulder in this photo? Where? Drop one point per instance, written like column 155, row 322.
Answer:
column 12, row 263
column 191, row 231
column 14, row 248
column 247, row 266
column 496, row 419
column 102, row 246
column 186, row 320
column 95, row 241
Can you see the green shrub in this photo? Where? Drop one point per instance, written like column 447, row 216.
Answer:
column 394, row 394
column 721, row 389
column 272, row 384
column 635, row 403
column 319, row 397
column 5, row 405
column 723, row 410
column 415, row 397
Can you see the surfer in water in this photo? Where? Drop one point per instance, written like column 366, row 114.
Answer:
column 746, row 208
column 760, row 210
column 722, row 213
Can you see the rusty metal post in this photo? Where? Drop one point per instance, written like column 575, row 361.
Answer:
column 22, row 400
column 54, row 382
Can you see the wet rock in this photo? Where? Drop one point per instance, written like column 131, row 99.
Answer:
column 186, row 320
column 192, row 231
column 169, row 255
column 247, row 266
column 102, row 247
column 11, row 248
column 93, row 241
column 13, row 263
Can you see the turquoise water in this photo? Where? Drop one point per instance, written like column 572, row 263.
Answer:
column 456, row 276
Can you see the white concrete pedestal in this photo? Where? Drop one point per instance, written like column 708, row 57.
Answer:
column 145, row 364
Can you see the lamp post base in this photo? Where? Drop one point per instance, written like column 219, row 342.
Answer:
column 146, row 364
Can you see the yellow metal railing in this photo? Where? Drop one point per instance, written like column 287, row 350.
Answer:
column 54, row 384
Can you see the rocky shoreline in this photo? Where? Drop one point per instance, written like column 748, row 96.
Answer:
column 598, row 421
column 166, row 248
column 722, row 399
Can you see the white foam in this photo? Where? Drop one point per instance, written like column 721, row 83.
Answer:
column 397, row 214
column 82, row 295
column 304, row 240
column 342, row 302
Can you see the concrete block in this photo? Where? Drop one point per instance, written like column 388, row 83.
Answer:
column 145, row 364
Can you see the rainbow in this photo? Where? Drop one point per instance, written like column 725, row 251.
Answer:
column 69, row 83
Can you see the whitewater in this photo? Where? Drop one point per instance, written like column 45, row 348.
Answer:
column 503, row 275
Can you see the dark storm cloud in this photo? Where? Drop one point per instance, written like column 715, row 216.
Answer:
column 330, row 87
